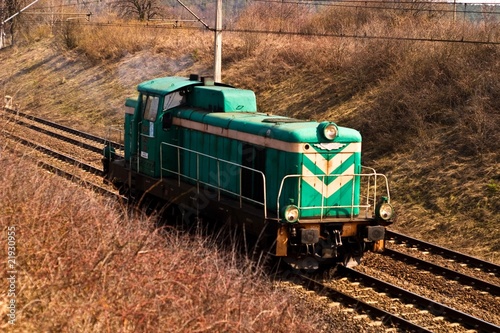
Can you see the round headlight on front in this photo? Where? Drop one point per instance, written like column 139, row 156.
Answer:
column 385, row 211
column 291, row 214
column 330, row 131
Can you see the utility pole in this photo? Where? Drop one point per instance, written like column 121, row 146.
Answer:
column 1, row 35
column 454, row 10
column 2, row 32
column 218, row 42
column 2, row 23
column 218, row 36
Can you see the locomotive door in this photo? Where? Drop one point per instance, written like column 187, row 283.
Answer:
column 252, row 182
column 148, row 155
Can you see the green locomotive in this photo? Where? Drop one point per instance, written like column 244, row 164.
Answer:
column 203, row 148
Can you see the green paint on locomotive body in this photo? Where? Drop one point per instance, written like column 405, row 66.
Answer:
column 215, row 138
column 165, row 85
column 223, row 99
column 130, row 131
column 290, row 147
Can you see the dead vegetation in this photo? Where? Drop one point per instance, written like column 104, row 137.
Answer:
column 85, row 264
column 434, row 103
column 428, row 113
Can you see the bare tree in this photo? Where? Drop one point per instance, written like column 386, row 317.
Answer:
column 7, row 9
column 140, row 9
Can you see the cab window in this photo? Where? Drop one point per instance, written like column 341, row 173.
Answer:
column 174, row 99
column 150, row 107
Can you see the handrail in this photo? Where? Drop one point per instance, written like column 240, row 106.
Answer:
column 368, row 179
column 110, row 137
column 375, row 182
column 138, row 148
column 352, row 206
column 218, row 178
column 109, row 140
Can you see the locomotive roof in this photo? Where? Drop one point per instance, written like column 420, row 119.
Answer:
column 276, row 127
column 165, row 85
column 261, row 124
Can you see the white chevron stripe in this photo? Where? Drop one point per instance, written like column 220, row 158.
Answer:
column 327, row 190
column 328, row 166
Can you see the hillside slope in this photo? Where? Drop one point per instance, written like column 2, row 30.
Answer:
column 429, row 118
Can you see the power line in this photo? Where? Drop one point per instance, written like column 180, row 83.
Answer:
column 386, row 2
column 289, row 33
column 330, row 3
column 149, row 25
column 167, row 25
column 364, row 36
column 396, row 6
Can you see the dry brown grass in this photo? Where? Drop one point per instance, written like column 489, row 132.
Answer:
column 104, row 42
column 428, row 111
column 86, row 265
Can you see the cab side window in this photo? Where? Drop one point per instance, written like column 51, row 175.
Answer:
column 174, row 99
column 150, row 107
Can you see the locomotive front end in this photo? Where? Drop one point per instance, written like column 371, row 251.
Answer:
column 331, row 208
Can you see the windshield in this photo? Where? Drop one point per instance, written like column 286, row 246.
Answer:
column 150, row 107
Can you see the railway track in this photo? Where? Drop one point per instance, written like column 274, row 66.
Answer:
column 72, row 154
column 391, row 305
column 447, row 253
column 76, row 156
column 420, row 294
column 433, row 290
column 410, row 294
column 50, row 128
column 446, row 272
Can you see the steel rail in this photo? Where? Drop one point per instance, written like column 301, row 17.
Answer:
column 360, row 306
column 84, row 135
column 443, row 271
column 75, row 179
column 433, row 307
column 60, row 156
column 61, row 137
column 436, row 249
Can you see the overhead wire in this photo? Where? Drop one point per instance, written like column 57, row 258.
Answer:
column 304, row 34
column 402, row 2
column 368, row 4
column 365, row 36
column 395, row 6
column 283, row 33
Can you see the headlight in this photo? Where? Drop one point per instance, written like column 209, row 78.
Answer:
column 384, row 210
column 291, row 214
column 330, row 131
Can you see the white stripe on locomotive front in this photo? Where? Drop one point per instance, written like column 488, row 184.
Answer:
column 327, row 190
